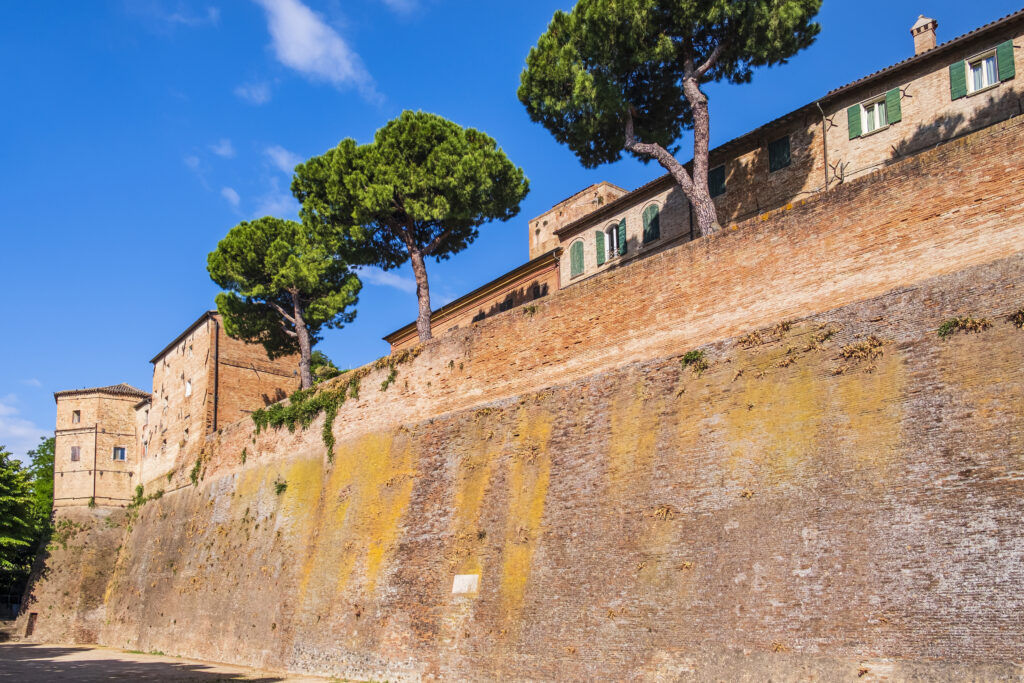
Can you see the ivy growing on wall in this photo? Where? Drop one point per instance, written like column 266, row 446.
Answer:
column 305, row 405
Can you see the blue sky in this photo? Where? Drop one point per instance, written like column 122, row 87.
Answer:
column 135, row 133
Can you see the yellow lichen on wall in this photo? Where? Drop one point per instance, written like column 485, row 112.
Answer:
column 773, row 423
column 472, row 482
column 529, row 470
column 868, row 399
column 633, row 430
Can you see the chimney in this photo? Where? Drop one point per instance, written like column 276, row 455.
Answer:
column 923, row 31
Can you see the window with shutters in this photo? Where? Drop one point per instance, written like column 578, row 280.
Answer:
column 76, row 453
column 981, row 72
column 778, row 154
column 874, row 117
column 576, row 259
column 611, row 241
column 652, row 223
column 875, row 114
column 716, row 181
column 119, row 453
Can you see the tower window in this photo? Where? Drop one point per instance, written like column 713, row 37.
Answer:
column 119, row 453
column 76, row 416
column 778, row 154
column 76, row 453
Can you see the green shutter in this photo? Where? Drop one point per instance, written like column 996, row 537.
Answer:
column 778, row 154
column 652, row 223
column 1004, row 60
column 576, row 258
column 957, row 80
column 622, row 236
column 716, row 181
column 893, row 111
column 600, row 247
column 853, row 121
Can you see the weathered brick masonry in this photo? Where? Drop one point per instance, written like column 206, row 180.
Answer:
column 788, row 513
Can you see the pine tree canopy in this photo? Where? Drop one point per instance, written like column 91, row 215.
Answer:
column 605, row 58
column 424, row 183
column 262, row 262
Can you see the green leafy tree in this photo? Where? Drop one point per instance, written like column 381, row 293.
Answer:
column 285, row 282
column 614, row 75
column 420, row 190
column 41, row 471
column 323, row 368
column 17, row 510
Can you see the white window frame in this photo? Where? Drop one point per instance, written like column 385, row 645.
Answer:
column 981, row 57
column 611, row 242
column 124, row 453
column 872, row 114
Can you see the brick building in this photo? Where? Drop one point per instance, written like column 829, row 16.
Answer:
column 202, row 381
column 940, row 93
column 96, row 455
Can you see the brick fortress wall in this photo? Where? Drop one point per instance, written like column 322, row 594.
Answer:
column 787, row 510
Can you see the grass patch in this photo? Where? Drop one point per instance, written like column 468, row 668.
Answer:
column 1016, row 319
column 963, row 324
column 280, row 486
column 867, row 349
column 193, row 474
column 696, row 361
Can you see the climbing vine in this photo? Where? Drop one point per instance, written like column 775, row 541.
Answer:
column 305, row 405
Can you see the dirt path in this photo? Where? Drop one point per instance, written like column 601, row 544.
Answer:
column 36, row 663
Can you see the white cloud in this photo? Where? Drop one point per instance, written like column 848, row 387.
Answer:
column 156, row 10
column 192, row 162
column 224, row 148
column 16, row 433
column 302, row 41
column 383, row 278
column 230, row 195
column 282, row 158
column 32, row 382
column 276, row 202
column 254, row 93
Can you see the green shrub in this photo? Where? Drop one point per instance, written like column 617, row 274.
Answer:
column 963, row 324
column 696, row 361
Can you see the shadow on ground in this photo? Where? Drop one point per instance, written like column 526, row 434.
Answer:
column 30, row 663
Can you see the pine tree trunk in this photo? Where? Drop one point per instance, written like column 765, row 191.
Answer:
column 703, row 206
column 419, row 269
column 305, row 348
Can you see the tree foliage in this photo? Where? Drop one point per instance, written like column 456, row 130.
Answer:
column 614, row 75
column 285, row 282
column 17, row 515
column 421, row 189
column 41, row 473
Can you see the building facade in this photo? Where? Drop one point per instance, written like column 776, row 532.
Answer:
column 939, row 93
column 203, row 380
column 96, row 455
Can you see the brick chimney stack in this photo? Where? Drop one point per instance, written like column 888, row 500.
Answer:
column 923, row 31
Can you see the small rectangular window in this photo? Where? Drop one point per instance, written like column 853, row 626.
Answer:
column 778, row 154
column 874, row 116
column 716, row 181
column 76, row 454
column 188, row 387
column 119, row 452
column 76, row 416
column 981, row 72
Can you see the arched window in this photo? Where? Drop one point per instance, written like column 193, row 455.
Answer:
column 576, row 258
column 652, row 223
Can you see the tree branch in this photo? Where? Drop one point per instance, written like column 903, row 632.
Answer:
column 282, row 312
column 710, row 62
column 434, row 243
